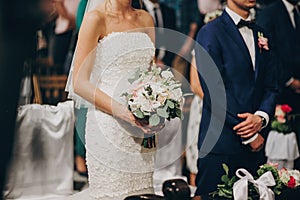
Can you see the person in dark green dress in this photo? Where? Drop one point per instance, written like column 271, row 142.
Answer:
column 80, row 113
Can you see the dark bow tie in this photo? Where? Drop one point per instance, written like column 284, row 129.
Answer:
column 242, row 23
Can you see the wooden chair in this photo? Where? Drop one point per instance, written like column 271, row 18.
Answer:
column 49, row 89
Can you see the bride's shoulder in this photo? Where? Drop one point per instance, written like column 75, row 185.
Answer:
column 144, row 17
column 95, row 16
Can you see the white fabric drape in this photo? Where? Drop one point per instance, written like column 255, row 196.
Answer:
column 42, row 160
column 282, row 149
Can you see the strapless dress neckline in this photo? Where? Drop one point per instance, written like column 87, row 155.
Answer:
column 115, row 33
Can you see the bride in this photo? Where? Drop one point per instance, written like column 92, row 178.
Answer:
column 106, row 51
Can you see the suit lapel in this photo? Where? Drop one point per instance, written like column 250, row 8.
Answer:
column 257, row 50
column 236, row 36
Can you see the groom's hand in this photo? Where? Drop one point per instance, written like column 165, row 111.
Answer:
column 257, row 144
column 250, row 126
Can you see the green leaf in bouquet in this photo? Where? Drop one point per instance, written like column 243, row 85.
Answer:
column 281, row 127
column 225, row 193
column 232, row 181
column 162, row 112
column 276, row 191
column 225, row 178
column 154, row 120
column 221, row 185
column 125, row 94
column 170, row 104
column 226, row 169
column 178, row 113
column 139, row 114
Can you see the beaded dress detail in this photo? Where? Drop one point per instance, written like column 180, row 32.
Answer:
column 118, row 165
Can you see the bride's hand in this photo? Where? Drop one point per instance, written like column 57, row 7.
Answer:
column 147, row 129
column 124, row 114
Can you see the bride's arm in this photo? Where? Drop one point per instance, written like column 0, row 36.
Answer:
column 91, row 29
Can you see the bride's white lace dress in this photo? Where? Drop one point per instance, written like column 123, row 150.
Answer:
column 118, row 165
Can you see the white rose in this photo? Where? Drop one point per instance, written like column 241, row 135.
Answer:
column 146, row 106
column 167, row 74
column 155, row 105
column 176, row 94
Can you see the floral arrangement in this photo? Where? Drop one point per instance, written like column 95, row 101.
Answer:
column 154, row 96
column 212, row 15
column 290, row 178
column 282, row 179
column 282, row 119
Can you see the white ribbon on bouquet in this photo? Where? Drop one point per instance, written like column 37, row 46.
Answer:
column 240, row 188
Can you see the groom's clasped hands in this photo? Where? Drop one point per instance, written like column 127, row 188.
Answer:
column 251, row 125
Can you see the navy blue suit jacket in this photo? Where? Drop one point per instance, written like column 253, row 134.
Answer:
column 246, row 90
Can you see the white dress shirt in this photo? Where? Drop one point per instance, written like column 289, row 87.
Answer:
column 248, row 37
column 246, row 33
column 150, row 8
column 290, row 7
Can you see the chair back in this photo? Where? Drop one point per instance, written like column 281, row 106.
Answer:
column 49, row 89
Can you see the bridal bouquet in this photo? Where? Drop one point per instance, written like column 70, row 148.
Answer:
column 154, row 96
column 271, row 183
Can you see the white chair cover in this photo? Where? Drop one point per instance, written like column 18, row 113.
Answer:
column 282, row 147
column 42, row 162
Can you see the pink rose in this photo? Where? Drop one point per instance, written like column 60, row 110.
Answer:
column 281, row 119
column 275, row 165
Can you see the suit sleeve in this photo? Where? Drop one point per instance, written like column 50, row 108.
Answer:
column 209, row 42
column 271, row 88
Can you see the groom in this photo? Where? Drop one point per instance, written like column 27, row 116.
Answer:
column 247, row 71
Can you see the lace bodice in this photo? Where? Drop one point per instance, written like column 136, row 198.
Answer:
column 117, row 54
column 134, row 49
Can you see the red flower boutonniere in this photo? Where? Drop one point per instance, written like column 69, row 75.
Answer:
column 262, row 42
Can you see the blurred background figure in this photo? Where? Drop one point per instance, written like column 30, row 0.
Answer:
column 190, row 20
column 19, row 21
column 164, row 17
column 207, row 6
column 281, row 20
column 64, row 31
column 80, row 113
column 194, row 123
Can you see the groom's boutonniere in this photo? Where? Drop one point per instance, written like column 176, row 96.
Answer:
column 262, row 42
